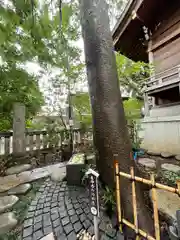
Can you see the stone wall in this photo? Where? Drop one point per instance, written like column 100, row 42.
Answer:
column 165, row 111
column 161, row 134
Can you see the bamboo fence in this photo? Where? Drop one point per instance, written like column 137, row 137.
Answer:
column 152, row 183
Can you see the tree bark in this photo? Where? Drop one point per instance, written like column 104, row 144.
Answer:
column 109, row 123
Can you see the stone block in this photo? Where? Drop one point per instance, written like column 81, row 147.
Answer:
column 74, row 169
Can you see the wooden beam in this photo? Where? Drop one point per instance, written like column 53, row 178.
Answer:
column 165, row 40
column 126, row 14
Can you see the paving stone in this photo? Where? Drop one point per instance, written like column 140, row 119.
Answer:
column 38, row 219
column 68, row 228
column 71, row 212
column 14, row 180
column 41, row 201
column 104, row 237
column 62, row 209
column 63, row 237
column 48, row 199
column 58, row 231
column 18, row 169
column 32, row 208
column 90, row 216
column 71, row 236
column 147, row 163
column 77, row 227
column 30, row 215
column 91, row 230
column 65, row 221
column 177, row 157
column 40, row 206
column 47, row 204
column 69, row 206
column 47, row 223
column 28, row 231
column 38, row 226
column 38, row 212
column 74, row 218
column 153, row 153
column 7, row 222
column 86, row 210
column 119, row 236
column 111, row 232
column 28, row 238
column 167, row 155
column 82, row 217
column 86, row 224
column 21, row 189
column 79, row 211
column 46, row 209
column 54, row 204
column 77, row 205
column 38, row 235
column 7, row 202
column 56, row 223
column 170, row 167
column 47, row 230
column 28, row 222
column 54, row 216
column 63, row 214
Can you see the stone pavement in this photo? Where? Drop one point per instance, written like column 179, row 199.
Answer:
column 64, row 211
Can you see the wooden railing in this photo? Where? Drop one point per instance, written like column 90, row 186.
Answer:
column 41, row 140
column 162, row 79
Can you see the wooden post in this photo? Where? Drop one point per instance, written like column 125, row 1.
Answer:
column 118, row 197
column 146, row 105
column 31, row 142
column 134, row 203
column 7, row 145
column 155, row 208
column 19, row 141
column 38, row 141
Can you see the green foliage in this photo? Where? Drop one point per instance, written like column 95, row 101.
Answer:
column 132, row 75
column 82, row 108
column 169, row 177
column 109, row 197
column 132, row 108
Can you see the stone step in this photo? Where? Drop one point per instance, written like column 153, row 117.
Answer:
column 168, row 203
column 11, row 181
column 21, row 189
column 7, row 202
column 170, row 167
column 148, row 163
column 7, row 222
column 18, row 169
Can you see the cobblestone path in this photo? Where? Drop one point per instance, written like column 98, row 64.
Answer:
column 63, row 210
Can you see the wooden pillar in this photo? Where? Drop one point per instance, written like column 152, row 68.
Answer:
column 19, row 141
column 146, row 104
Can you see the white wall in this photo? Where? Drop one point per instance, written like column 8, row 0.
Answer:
column 171, row 110
column 161, row 134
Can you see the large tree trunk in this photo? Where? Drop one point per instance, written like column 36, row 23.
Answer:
column 109, row 124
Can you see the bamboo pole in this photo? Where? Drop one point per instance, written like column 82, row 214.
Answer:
column 148, row 182
column 118, row 197
column 178, row 186
column 134, row 203
column 141, row 232
column 155, row 208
